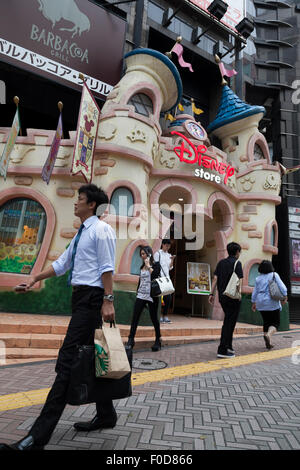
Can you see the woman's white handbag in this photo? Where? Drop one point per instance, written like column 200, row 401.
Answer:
column 161, row 285
column 233, row 288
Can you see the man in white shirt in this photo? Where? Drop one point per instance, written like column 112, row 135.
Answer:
column 90, row 259
column 166, row 261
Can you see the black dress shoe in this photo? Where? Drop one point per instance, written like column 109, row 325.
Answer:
column 97, row 423
column 27, row 443
column 156, row 346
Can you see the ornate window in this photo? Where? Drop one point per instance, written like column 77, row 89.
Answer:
column 253, row 274
column 136, row 261
column 22, row 227
column 258, row 154
column 142, row 103
column 122, row 200
column 273, row 236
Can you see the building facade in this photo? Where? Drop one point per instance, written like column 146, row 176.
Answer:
column 220, row 168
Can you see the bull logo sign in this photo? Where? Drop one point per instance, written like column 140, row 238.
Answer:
column 57, row 10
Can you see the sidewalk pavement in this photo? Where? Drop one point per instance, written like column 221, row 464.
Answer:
column 250, row 407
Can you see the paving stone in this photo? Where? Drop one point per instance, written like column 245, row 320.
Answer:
column 255, row 406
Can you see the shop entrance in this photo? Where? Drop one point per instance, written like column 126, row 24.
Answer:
column 183, row 302
column 216, row 227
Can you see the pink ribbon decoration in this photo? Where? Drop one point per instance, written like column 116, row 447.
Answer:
column 224, row 71
column 178, row 49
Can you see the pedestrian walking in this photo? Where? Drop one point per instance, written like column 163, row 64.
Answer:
column 166, row 260
column 263, row 302
column 231, row 307
column 90, row 259
column 150, row 270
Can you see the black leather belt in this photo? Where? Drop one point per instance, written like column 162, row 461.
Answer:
column 79, row 288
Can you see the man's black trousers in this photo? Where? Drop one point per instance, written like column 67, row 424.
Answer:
column 231, row 308
column 86, row 317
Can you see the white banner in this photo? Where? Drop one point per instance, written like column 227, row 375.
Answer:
column 40, row 62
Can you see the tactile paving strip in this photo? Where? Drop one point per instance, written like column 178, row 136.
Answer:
column 38, row 397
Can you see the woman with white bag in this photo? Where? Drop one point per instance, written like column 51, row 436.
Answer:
column 150, row 270
column 166, row 260
column 263, row 302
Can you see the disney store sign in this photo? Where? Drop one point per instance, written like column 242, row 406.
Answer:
column 191, row 154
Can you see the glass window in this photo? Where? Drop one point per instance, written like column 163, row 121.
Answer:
column 155, row 12
column 266, row 13
column 181, row 28
column 250, row 7
column 22, row 227
column 258, row 154
column 273, row 236
column 142, row 103
column 207, row 44
column 253, row 274
column 272, row 75
column 122, row 200
column 136, row 261
column 270, row 145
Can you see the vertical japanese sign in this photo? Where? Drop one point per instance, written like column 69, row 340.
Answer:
column 86, row 136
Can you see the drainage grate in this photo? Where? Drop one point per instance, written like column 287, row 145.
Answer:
column 148, row 364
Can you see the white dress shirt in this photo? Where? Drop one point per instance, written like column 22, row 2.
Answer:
column 165, row 261
column 95, row 254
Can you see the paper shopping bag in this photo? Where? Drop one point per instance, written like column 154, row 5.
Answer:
column 110, row 356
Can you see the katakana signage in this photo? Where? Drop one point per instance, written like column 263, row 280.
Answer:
column 59, row 39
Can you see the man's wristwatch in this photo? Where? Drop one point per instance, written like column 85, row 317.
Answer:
column 109, row 297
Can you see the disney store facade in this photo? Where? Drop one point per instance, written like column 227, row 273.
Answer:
column 227, row 193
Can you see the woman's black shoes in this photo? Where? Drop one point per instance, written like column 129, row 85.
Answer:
column 130, row 343
column 156, row 346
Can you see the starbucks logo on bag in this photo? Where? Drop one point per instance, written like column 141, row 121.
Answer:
column 101, row 360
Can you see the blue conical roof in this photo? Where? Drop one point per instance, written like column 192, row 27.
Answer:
column 231, row 109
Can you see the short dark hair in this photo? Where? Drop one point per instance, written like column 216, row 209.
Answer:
column 166, row 241
column 232, row 248
column 94, row 194
column 265, row 267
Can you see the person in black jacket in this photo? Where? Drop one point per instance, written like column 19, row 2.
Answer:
column 150, row 270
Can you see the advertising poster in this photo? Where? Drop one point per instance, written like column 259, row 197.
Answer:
column 198, row 278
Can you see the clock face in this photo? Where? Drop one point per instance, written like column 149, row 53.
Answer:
column 195, row 130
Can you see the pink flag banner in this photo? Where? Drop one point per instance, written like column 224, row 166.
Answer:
column 86, row 136
column 50, row 162
column 178, row 49
column 225, row 72
column 291, row 170
column 4, row 160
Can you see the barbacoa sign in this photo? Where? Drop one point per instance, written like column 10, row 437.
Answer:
column 61, row 38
